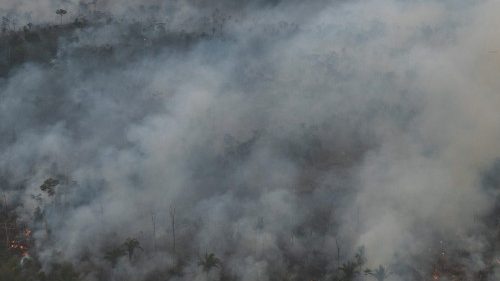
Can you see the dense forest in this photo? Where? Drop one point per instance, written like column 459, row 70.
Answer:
column 259, row 141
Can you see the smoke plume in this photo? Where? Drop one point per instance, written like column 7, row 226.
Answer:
column 279, row 135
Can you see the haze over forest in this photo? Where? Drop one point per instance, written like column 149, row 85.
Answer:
column 259, row 140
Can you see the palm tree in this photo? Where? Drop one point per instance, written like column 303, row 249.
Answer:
column 349, row 270
column 130, row 245
column 209, row 261
column 353, row 267
column 61, row 13
column 381, row 273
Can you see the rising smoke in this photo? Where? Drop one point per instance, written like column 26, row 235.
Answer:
column 281, row 138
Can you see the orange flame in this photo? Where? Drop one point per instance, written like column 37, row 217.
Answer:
column 17, row 245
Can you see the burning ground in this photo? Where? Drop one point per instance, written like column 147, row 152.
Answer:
column 276, row 140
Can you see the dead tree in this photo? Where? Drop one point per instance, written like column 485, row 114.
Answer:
column 338, row 251
column 172, row 220
column 153, row 220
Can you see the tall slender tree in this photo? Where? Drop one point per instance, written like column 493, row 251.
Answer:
column 61, row 13
column 172, row 220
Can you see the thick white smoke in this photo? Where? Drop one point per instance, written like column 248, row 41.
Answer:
column 282, row 144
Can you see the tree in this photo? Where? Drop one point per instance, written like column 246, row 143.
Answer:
column 130, row 245
column 209, row 261
column 338, row 251
column 352, row 267
column 380, row 274
column 5, row 24
column 114, row 255
column 61, row 13
column 172, row 220
column 360, row 256
column 349, row 270
column 49, row 186
column 153, row 220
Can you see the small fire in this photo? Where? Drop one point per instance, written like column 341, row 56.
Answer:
column 22, row 244
column 435, row 275
column 16, row 245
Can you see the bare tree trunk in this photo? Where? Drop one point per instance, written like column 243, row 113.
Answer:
column 358, row 225
column 153, row 220
column 7, row 239
column 5, row 204
column 338, row 252
column 172, row 218
column 46, row 225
